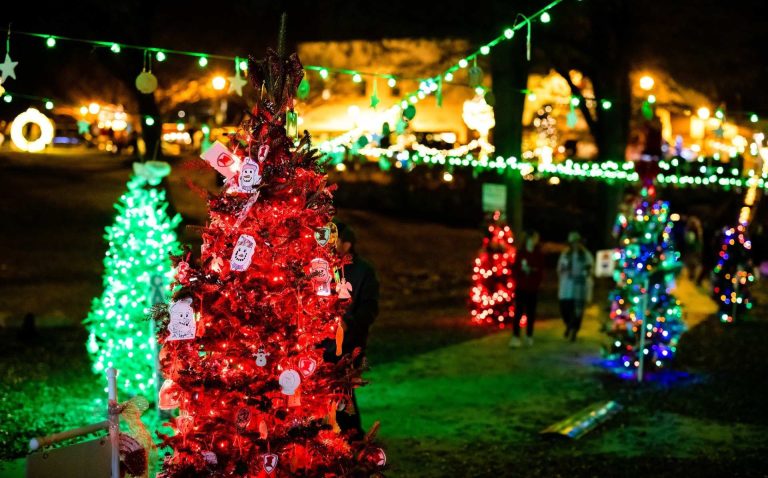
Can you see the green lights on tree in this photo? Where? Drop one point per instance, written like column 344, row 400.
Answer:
column 137, row 273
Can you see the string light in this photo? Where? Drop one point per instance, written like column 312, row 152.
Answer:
column 203, row 62
column 160, row 56
column 50, row 42
column 115, row 48
column 545, row 17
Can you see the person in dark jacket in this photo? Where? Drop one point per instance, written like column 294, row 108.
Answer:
column 528, row 272
column 359, row 317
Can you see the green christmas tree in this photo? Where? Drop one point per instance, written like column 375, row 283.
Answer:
column 137, row 274
column 646, row 318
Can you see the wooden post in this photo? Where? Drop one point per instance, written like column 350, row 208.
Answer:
column 114, row 421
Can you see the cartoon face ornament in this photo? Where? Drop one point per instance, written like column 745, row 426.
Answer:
column 250, row 176
column 210, row 458
column 321, row 276
column 269, row 461
column 327, row 234
column 289, row 381
column 307, row 366
column 261, row 357
column 182, row 325
column 243, row 253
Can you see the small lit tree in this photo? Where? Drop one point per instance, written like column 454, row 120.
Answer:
column 137, row 272
column 733, row 275
column 492, row 296
column 646, row 318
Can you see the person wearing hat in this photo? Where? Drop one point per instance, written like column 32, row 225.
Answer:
column 574, row 269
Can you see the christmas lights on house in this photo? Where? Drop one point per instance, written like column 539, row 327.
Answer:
column 137, row 274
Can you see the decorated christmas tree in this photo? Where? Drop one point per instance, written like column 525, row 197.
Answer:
column 492, row 296
column 646, row 318
column 247, row 338
column 733, row 276
column 137, row 274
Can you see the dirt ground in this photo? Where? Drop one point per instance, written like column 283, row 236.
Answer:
column 452, row 398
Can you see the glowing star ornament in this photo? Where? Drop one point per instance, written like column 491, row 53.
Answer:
column 8, row 68
column 236, row 83
column 182, row 324
column 243, row 253
column 321, row 276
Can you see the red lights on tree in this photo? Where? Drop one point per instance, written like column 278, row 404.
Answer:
column 247, row 339
column 492, row 297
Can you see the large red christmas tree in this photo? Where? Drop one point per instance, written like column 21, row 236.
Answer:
column 244, row 338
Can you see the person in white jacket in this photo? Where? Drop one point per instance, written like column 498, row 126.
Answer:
column 574, row 268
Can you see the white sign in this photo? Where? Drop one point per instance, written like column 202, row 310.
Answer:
column 222, row 159
column 494, row 197
column 605, row 263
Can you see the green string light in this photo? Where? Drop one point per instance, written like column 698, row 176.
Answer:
column 160, row 56
column 606, row 104
column 203, row 62
column 50, row 42
column 753, row 118
column 149, row 121
column 49, row 105
column 545, row 17
column 243, row 65
column 115, row 47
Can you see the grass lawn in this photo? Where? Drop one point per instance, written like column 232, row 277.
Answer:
column 452, row 398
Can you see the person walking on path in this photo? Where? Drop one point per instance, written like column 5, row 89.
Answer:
column 528, row 272
column 574, row 269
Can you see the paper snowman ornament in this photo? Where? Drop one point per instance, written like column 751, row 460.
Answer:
column 261, row 357
column 321, row 276
column 263, row 151
column 182, row 325
column 249, row 177
column 307, row 366
column 270, row 462
column 243, row 253
column 289, row 381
